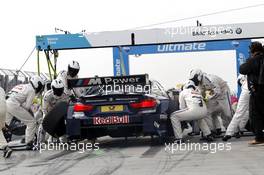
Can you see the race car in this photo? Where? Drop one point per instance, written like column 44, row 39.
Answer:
column 120, row 106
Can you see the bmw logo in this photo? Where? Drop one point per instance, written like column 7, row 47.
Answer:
column 238, row 31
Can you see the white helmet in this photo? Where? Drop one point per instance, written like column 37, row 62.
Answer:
column 74, row 64
column 38, row 83
column 196, row 76
column 196, row 72
column 189, row 84
column 58, row 87
column 73, row 68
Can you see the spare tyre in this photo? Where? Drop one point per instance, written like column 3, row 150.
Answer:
column 173, row 105
column 54, row 121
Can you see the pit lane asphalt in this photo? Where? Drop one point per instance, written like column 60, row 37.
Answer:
column 136, row 157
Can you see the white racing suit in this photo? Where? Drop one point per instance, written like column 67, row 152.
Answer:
column 241, row 115
column 63, row 75
column 49, row 101
column 219, row 103
column 18, row 105
column 3, row 142
column 192, row 107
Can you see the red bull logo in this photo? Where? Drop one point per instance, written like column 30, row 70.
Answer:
column 111, row 120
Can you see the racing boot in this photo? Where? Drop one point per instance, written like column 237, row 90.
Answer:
column 237, row 135
column 32, row 145
column 218, row 132
column 226, row 138
column 209, row 138
column 7, row 152
column 7, row 134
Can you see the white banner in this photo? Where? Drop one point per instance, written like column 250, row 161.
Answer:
column 176, row 35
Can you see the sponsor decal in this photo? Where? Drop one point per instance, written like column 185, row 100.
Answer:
column 96, row 81
column 181, row 47
column 111, row 120
column 214, row 31
column 52, row 40
column 118, row 67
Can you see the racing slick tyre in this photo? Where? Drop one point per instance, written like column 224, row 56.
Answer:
column 173, row 106
column 53, row 123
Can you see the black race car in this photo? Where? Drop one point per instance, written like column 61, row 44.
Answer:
column 121, row 106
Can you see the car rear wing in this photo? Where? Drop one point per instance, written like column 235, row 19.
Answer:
column 141, row 79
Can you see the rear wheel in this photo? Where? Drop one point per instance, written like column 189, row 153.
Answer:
column 54, row 121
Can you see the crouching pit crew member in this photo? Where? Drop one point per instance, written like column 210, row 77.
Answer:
column 19, row 105
column 51, row 98
column 192, row 107
column 3, row 143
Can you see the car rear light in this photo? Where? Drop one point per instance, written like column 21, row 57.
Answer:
column 79, row 107
column 147, row 103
